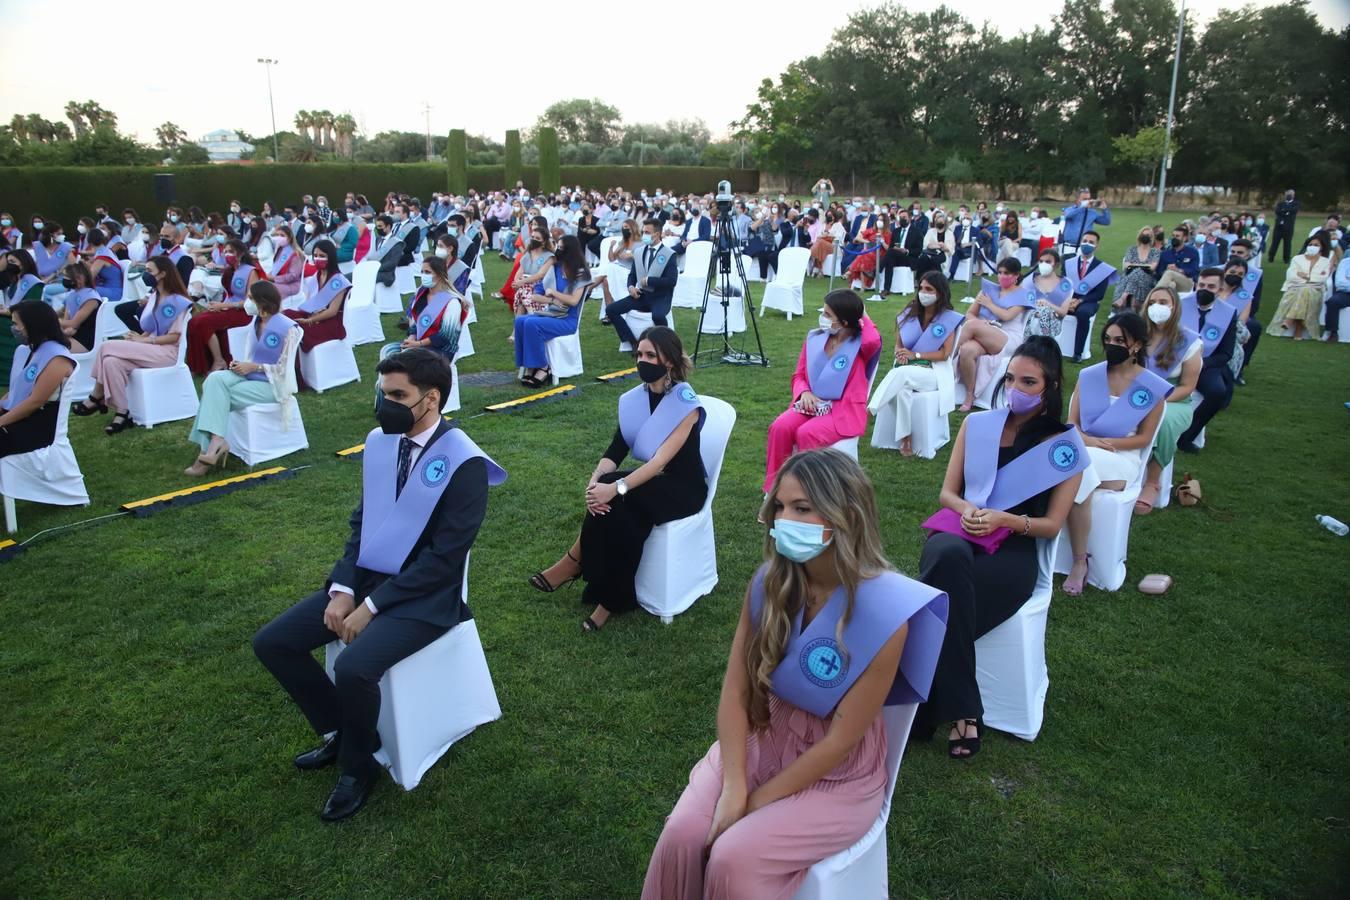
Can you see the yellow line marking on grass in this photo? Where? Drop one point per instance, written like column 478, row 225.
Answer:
column 532, row 398
column 619, row 374
column 136, row 504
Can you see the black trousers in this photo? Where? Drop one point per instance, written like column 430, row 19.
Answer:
column 1249, row 348
column 352, row 704
column 130, row 314
column 614, row 312
column 1335, row 303
column 1084, row 313
column 30, row 433
column 766, row 258
column 491, row 226
column 893, row 260
column 1216, row 386
column 983, row 590
column 1278, row 235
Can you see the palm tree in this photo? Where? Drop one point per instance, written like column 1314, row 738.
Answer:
column 170, row 135
column 39, row 129
column 323, row 125
column 303, row 119
column 345, row 126
column 96, row 115
column 19, row 126
column 75, row 113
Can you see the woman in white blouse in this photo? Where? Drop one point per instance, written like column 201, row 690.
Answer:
column 1305, row 283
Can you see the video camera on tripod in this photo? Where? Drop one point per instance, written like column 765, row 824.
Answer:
column 719, row 284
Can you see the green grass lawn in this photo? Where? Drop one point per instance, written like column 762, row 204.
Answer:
column 1193, row 743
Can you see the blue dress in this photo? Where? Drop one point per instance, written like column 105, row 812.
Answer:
column 534, row 331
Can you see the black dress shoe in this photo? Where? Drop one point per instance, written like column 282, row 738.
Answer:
column 349, row 795
column 1187, row 448
column 1240, row 381
column 320, row 757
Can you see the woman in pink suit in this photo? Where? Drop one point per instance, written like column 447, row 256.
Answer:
column 831, row 384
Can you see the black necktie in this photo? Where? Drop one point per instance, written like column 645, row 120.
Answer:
column 405, row 448
column 1203, row 313
column 651, row 254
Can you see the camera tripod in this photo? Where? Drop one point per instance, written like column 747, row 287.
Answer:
column 719, row 273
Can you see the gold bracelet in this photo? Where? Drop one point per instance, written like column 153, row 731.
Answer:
column 1026, row 528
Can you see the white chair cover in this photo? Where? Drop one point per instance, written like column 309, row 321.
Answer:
column 679, row 559
column 360, row 316
column 1010, row 659
column 638, row 322
column 329, row 365
column 861, row 870
column 694, row 277
column 1069, row 331
column 929, row 428
column 164, row 394
column 106, row 325
column 258, row 433
column 785, row 291
column 564, row 352
column 47, row 475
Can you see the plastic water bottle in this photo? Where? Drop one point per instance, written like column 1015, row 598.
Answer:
column 1335, row 526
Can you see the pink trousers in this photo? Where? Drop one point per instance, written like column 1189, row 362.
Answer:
column 766, row 854
column 116, row 360
column 806, row 432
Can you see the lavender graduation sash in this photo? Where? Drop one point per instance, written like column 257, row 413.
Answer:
column 27, row 365
column 1179, row 348
column 931, row 338
column 430, row 316
column 320, row 299
column 282, row 259
column 1009, row 299
column 160, row 314
column 239, row 282
column 1039, row 469
column 645, row 429
column 217, row 258
column 175, row 252
column 391, row 522
column 828, row 377
column 1106, row 418
column 1095, row 276
column 105, row 253
column 50, row 262
column 1063, row 290
column 1251, row 283
column 267, row 347
column 817, row 670
column 25, row 284
column 1217, row 320
column 75, row 299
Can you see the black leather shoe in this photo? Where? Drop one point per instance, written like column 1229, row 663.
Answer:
column 320, row 757
column 349, row 795
column 1187, row 448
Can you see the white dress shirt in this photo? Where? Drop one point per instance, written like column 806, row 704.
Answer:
column 419, row 444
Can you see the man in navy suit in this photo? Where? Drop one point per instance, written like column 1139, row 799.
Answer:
column 383, row 618
column 651, row 283
column 1084, row 268
column 697, row 227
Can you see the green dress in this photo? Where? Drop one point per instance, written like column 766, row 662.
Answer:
column 8, row 341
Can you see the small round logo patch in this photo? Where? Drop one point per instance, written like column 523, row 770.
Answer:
column 424, row 321
column 1031, row 296
column 1211, row 333
column 1065, row 285
column 822, row 663
column 1140, row 398
column 238, row 284
column 840, row 363
column 272, row 339
column 436, row 470
column 1244, row 294
column 30, row 373
column 1063, row 455
column 168, row 311
column 687, row 394
column 1253, row 277
column 1083, row 287
column 939, row 330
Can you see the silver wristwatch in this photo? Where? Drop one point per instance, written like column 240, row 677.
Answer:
column 621, row 486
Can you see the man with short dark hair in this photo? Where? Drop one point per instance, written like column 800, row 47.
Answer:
column 397, row 587
column 1216, row 324
column 1286, row 211
column 651, row 283
column 1091, row 277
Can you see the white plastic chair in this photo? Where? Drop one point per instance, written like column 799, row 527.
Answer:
column 564, row 351
column 902, row 280
column 962, row 270
column 1070, row 330
column 403, row 279
column 106, row 325
column 47, row 475
column 679, row 559
column 388, row 298
column 998, row 365
column 477, row 278
column 850, row 445
column 602, row 267
column 694, row 277
column 420, row 715
column 360, row 316
column 785, row 291
column 638, row 322
column 735, row 314
column 164, row 394
column 329, row 365
column 930, row 429
column 861, row 870
column 256, row 433
column 1010, row 659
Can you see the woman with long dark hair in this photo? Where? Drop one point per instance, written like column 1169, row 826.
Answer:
column 571, row 282
column 324, row 293
column 42, row 363
column 208, row 350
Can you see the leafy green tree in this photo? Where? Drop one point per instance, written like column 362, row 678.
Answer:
column 577, row 120
column 190, row 154
column 1142, row 151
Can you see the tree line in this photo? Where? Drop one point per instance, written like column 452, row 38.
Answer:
column 908, row 97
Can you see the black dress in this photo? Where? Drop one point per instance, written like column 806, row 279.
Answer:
column 32, row 432
column 611, row 545
column 984, row 590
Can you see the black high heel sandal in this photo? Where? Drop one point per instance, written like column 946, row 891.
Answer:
column 969, row 744
column 121, row 422
column 540, row 583
column 588, row 626
column 84, row 409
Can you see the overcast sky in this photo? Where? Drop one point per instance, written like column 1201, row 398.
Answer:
column 381, row 63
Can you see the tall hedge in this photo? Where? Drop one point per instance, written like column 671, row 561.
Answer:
column 550, row 179
column 63, row 194
column 513, row 173
column 457, row 162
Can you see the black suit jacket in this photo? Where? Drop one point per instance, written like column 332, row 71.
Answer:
column 1223, row 353
column 428, row 588
column 913, row 242
column 662, row 285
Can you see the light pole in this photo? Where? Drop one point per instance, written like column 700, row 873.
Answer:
column 426, row 108
column 1171, row 105
column 269, row 63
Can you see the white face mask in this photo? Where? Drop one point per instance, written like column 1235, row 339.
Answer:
column 309, row 228
column 82, row 229
column 1159, row 314
column 250, row 307
column 825, row 322
column 1084, row 203
column 1313, row 250
column 926, row 299
column 1044, row 268
column 442, row 252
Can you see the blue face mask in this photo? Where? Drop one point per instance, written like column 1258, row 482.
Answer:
column 1088, row 249
column 799, row 541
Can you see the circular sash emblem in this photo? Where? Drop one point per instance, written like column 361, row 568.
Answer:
column 1140, row 398
column 424, row 321
column 1063, row 455
column 939, row 329
column 1083, row 287
column 840, row 363
column 1244, row 294
column 1211, row 333
column 1031, row 296
column 272, row 339
column 1253, row 277
column 436, row 470
column 687, row 394
column 1066, row 285
column 30, row 373
column 237, row 284
column 168, row 311
column 822, row 663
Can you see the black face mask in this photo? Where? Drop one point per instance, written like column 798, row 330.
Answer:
column 1204, row 297
column 165, row 243
column 651, row 372
column 68, row 283
column 1176, row 243
column 394, row 417
column 1232, row 279
column 148, row 280
column 1116, row 354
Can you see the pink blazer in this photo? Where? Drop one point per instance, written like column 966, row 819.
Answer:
column 849, row 412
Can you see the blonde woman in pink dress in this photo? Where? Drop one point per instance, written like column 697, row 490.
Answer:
column 828, row 635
